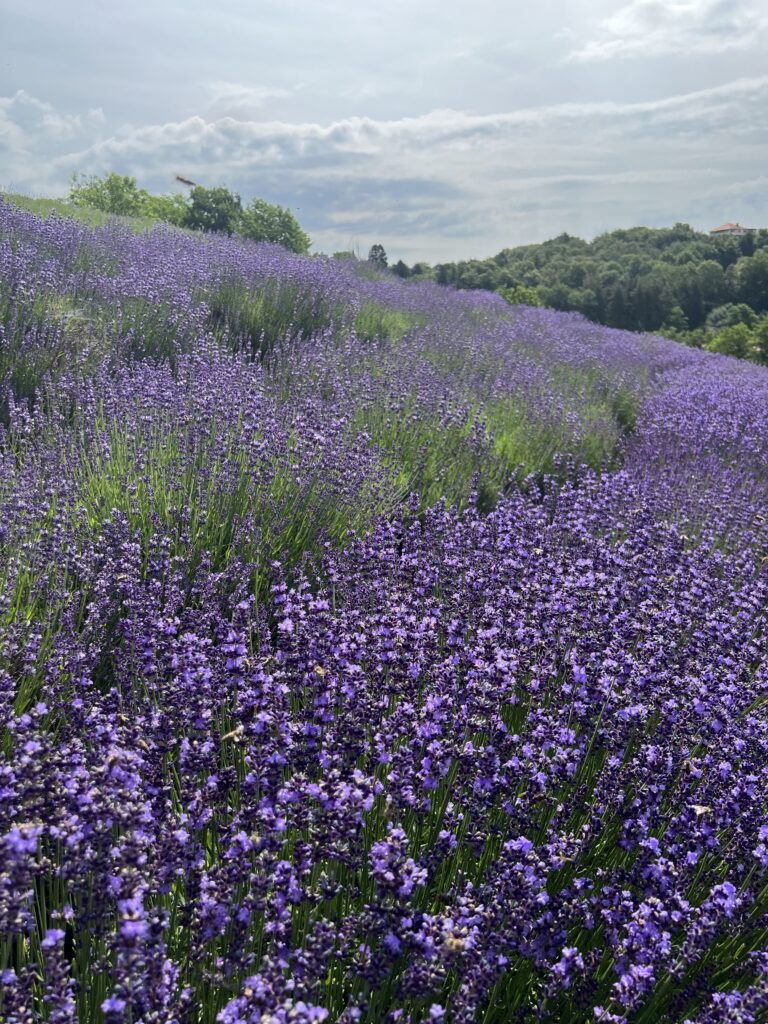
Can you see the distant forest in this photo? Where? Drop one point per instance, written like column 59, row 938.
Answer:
column 707, row 290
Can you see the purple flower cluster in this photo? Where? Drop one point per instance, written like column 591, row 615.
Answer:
column 284, row 742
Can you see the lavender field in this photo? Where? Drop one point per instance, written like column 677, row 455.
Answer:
column 370, row 651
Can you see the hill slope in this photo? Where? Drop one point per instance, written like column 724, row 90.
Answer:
column 370, row 651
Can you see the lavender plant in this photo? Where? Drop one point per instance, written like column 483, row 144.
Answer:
column 368, row 651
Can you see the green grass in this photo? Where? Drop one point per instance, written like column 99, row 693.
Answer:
column 520, row 444
column 41, row 207
column 42, row 337
column 428, row 457
column 484, row 447
column 594, row 385
column 377, row 321
column 255, row 319
column 210, row 500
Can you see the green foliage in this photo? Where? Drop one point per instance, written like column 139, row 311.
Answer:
column 750, row 280
column 420, row 270
column 729, row 315
column 216, row 210
column 676, row 321
column 119, row 195
column 205, row 209
column 520, row 444
column 377, row 321
column 520, row 295
column 254, row 321
column 171, row 209
column 743, row 338
column 732, row 341
column 759, row 343
column 114, row 193
column 485, row 445
column 427, row 455
column 253, row 517
column 265, row 222
column 377, row 255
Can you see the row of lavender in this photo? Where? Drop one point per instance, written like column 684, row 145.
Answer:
column 263, row 765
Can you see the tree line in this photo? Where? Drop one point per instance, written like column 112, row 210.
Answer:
column 202, row 209
column 706, row 290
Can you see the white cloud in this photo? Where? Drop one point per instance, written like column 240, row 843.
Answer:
column 237, row 99
column 32, row 132
column 32, row 115
column 735, row 105
column 651, row 28
column 753, row 186
column 442, row 184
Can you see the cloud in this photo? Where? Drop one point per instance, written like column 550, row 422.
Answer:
column 751, row 186
column 655, row 28
column 235, row 99
column 31, row 115
column 268, row 141
column 443, row 184
column 32, row 132
column 442, row 142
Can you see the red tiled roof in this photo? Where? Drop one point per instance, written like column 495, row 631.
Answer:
column 726, row 227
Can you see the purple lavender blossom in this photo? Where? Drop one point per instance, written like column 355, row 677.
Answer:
column 369, row 673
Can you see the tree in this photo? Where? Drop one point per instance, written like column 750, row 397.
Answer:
column 713, row 285
column 213, row 209
column 558, row 296
column 686, row 287
column 618, row 312
column 400, row 269
column 377, row 255
column 265, row 222
column 759, row 348
column 114, row 193
column 750, row 280
column 676, row 321
column 732, row 341
column 172, row 209
column 520, row 295
column 652, row 301
column 729, row 315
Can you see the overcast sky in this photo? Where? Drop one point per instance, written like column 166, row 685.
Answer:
column 443, row 130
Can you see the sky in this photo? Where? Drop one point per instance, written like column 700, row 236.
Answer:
column 441, row 130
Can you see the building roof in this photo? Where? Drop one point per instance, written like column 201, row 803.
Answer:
column 727, row 227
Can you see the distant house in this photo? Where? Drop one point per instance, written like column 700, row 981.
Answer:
column 731, row 229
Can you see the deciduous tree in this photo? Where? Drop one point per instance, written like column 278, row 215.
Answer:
column 114, row 193
column 268, row 222
column 377, row 255
column 213, row 209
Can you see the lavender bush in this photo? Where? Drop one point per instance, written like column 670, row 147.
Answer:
column 370, row 652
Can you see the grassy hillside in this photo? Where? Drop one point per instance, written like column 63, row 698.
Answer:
column 42, row 207
column 369, row 651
